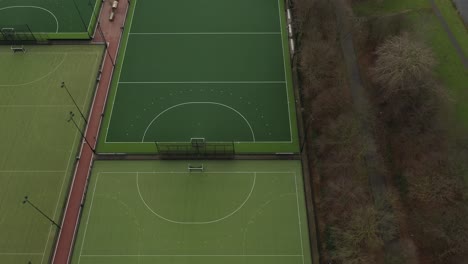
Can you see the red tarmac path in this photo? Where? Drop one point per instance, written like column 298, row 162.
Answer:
column 112, row 32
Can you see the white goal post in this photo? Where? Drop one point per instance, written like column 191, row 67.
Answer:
column 195, row 168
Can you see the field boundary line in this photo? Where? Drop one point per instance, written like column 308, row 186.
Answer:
column 292, row 255
column 96, row 3
column 71, row 152
column 89, row 215
column 120, row 70
column 181, row 172
column 240, row 142
column 204, row 82
column 19, row 253
column 284, row 69
column 31, row 171
column 206, row 33
column 299, row 217
column 60, row 193
column 40, row 106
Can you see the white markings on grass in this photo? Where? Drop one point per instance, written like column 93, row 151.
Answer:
column 284, row 66
column 35, row 106
column 20, row 254
column 90, row 86
column 119, row 73
column 189, row 103
column 87, row 220
column 32, row 171
column 200, row 222
column 299, row 216
column 292, row 255
column 40, row 78
column 92, row 14
column 206, row 82
column 178, row 142
column 185, row 171
column 98, row 176
column 206, row 33
column 36, row 7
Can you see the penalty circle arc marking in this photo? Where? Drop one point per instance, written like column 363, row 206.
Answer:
column 189, row 103
column 40, row 78
column 201, row 222
column 36, row 7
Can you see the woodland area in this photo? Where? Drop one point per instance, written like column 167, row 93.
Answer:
column 422, row 216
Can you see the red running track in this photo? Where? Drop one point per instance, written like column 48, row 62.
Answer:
column 110, row 32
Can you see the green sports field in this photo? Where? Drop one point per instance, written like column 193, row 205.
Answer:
column 38, row 145
column 53, row 19
column 217, row 70
column 158, row 212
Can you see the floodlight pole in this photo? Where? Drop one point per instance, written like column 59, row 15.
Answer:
column 63, row 85
column 107, row 43
column 81, row 132
column 26, row 201
column 81, row 18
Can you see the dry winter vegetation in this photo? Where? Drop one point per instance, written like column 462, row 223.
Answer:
column 423, row 218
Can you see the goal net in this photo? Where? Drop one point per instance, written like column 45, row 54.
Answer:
column 8, row 34
column 17, row 34
column 195, row 168
column 196, row 148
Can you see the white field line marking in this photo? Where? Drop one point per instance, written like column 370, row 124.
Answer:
column 284, row 66
column 206, row 33
column 189, row 103
column 67, row 51
column 191, row 256
column 36, row 7
column 186, row 172
column 109, row 86
column 237, row 142
column 87, row 220
column 69, row 159
column 38, row 106
column 40, row 78
column 92, row 14
column 206, row 82
column 19, row 254
column 299, row 216
column 201, row 222
column 32, row 171
column 58, row 198
column 120, row 72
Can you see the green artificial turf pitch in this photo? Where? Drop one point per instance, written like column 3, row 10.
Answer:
column 38, row 145
column 217, row 70
column 51, row 18
column 157, row 212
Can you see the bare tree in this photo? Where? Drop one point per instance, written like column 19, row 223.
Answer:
column 403, row 67
column 366, row 229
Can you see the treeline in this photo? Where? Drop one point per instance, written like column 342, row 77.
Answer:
column 426, row 161
column 351, row 226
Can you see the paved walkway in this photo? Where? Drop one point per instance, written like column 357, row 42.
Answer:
column 450, row 34
column 112, row 33
column 462, row 6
